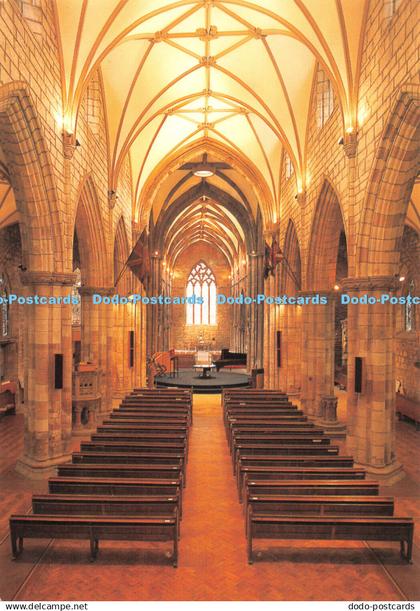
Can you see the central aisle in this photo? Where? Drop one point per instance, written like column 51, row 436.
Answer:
column 212, row 551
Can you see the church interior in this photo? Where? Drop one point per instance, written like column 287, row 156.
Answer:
column 209, row 300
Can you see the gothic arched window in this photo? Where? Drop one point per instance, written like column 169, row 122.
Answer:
column 201, row 283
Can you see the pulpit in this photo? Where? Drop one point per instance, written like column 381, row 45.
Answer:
column 86, row 398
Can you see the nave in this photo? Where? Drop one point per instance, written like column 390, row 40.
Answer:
column 212, row 548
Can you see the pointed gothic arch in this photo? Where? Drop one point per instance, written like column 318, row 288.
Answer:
column 291, row 270
column 327, row 225
column 32, row 179
column 89, row 228
column 388, row 194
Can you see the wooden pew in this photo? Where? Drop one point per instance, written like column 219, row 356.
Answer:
column 279, row 440
column 281, row 445
column 134, row 458
column 272, row 434
column 136, row 447
column 332, row 528
column 141, row 409
column 126, row 458
column 85, row 504
column 273, row 414
column 116, row 471
column 94, row 529
column 253, row 416
column 228, row 393
column 141, row 437
column 317, row 505
column 293, row 460
column 260, row 405
column 116, row 486
column 266, row 472
column 146, row 418
column 323, row 487
column 143, row 428
column 321, row 505
column 161, row 391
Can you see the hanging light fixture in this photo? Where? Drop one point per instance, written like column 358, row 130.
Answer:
column 203, row 170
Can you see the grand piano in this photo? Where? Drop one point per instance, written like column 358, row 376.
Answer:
column 230, row 359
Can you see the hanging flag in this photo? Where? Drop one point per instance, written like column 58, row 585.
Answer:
column 276, row 254
column 139, row 259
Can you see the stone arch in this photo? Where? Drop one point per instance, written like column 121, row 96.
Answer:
column 327, row 225
column 90, row 233
column 291, row 271
column 225, row 199
column 206, row 145
column 391, row 182
column 32, row 179
column 121, row 252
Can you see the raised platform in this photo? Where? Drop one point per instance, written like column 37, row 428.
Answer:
column 188, row 378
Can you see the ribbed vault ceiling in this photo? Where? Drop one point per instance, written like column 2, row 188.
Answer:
column 234, row 71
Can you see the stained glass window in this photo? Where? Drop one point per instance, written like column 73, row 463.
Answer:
column 201, row 283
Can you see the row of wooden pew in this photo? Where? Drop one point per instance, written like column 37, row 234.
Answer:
column 293, row 482
column 124, row 484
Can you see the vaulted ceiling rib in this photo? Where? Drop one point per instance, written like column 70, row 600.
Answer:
column 237, row 72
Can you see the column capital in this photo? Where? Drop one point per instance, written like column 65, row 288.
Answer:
column 271, row 230
column 112, row 199
column 70, row 143
column 101, row 290
column 350, row 144
column 49, row 278
column 370, row 283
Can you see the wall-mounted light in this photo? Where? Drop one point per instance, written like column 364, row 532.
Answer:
column 401, row 278
column 363, row 113
column 336, row 287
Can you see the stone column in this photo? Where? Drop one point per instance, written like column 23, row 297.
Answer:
column 290, row 317
column 153, row 311
column 371, row 412
column 256, row 333
column 97, row 338
column 317, row 352
column 48, row 411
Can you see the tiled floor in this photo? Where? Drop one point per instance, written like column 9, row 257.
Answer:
column 212, row 563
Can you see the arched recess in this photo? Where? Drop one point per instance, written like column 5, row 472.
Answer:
column 291, row 270
column 121, row 253
column 90, row 235
column 288, row 367
column 390, row 186
column 327, row 226
column 32, row 179
column 319, row 319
